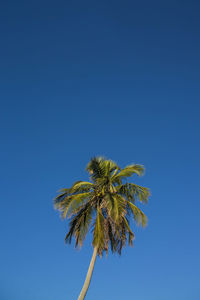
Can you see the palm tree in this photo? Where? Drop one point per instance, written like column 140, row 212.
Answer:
column 106, row 205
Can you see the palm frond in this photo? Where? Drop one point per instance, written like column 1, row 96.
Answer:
column 110, row 166
column 128, row 171
column 81, row 186
column 98, row 234
column 131, row 234
column 134, row 191
column 71, row 203
column 119, row 208
column 79, row 225
column 99, row 167
column 138, row 215
column 96, row 168
column 123, row 237
column 62, row 194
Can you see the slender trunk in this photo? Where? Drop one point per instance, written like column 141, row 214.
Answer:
column 89, row 276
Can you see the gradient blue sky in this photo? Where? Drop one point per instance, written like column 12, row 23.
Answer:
column 116, row 78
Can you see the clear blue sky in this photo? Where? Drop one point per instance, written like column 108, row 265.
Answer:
column 116, row 78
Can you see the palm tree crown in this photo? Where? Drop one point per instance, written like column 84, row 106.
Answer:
column 105, row 204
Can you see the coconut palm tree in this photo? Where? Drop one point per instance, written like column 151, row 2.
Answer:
column 106, row 205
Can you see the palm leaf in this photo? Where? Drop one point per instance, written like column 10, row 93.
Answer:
column 128, row 171
column 98, row 234
column 138, row 215
column 71, row 203
column 133, row 191
column 79, row 225
column 81, row 186
column 131, row 234
column 96, row 168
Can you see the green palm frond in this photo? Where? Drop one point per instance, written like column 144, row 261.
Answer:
column 81, row 186
column 123, row 237
column 70, row 203
column 111, row 236
column 62, row 194
column 99, row 167
column 128, row 171
column 110, row 167
column 119, row 207
column 77, row 205
column 131, row 234
column 138, row 215
column 141, row 193
column 79, row 225
column 134, row 192
column 96, row 168
column 98, row 234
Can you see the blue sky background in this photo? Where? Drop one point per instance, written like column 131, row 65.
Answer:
column 82, row 78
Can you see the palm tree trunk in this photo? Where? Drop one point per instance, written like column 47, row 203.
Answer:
column 89, row 276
